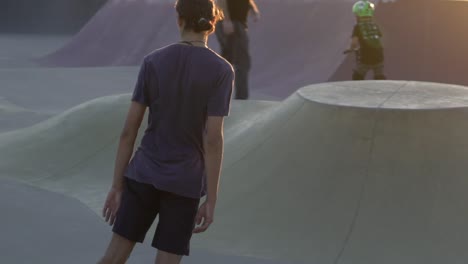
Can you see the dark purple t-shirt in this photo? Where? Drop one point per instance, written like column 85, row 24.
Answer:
column 182, row 85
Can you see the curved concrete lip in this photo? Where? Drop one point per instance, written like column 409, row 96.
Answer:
column 398, row 95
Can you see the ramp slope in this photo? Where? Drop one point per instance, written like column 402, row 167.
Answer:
column 68, row 232
column 291, row 34
column 363, row 172
column 47, row 16
column 13, row 116
column 425, row 40
column 37, row 223
column 88, row 137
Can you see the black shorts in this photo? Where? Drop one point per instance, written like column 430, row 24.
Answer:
column 140, row 205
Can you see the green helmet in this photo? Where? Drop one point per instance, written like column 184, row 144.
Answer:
column 364, row 8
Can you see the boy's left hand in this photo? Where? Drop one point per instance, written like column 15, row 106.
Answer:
column 112, row 205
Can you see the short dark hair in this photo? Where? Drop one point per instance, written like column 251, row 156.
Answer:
column 199, row 15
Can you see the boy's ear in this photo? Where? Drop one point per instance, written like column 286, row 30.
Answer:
column 180, row 22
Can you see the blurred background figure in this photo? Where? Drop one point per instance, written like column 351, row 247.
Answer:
column 234, row 41
column 366, row 42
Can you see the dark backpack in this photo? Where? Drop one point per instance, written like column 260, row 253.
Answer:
column 370, row 35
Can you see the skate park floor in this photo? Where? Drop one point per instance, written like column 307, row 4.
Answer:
column 45, row 226
column 17, row 50
column 51, row 228
column 352, row 172
column 343, row 173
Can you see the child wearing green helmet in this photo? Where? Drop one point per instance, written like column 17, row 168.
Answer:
column 366, row 41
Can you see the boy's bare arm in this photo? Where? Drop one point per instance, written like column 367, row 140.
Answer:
column 222, row 4
column 354, row 43
column 213, row 144
column 127, row 141
column 254, row 7
column 124, row 153
column 254, row 10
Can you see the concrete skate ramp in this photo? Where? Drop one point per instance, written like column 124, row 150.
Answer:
column 354, row 172
column 13, row 116
column 296, row 42
column 89, row 134
column 66, row 231
column 54, row 90
column 424, row 40
column 36, row 223
column 46, row 16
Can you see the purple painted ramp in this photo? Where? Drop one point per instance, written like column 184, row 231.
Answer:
column 46, row 16
column 425, row 40
column 295, row 44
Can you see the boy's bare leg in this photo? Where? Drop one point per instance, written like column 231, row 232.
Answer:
column 118, row 251
column 167, row 258
column 379, row 72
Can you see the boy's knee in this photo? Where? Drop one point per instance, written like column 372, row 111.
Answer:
column 380, row 77
column 111, row 260
column 167, row 258
column 105, row 260
column 357, row 76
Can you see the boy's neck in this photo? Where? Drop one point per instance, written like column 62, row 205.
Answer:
column 196, row 39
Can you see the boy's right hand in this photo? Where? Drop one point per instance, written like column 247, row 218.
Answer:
column 205, row 217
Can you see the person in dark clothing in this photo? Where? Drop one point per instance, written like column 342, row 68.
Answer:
column 234, row 41
column 187, row 88
column 367, row 42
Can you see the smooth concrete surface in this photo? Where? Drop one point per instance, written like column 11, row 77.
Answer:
column 46, row 227
column 18, row 241
column 29, row 95
column 338, row 173
column 53, row 90
column 382, row 182
column 46, row 16
column 316, row 178
column 13, row 116
column 23, row 87
column 389, row 95
column 22, row 50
